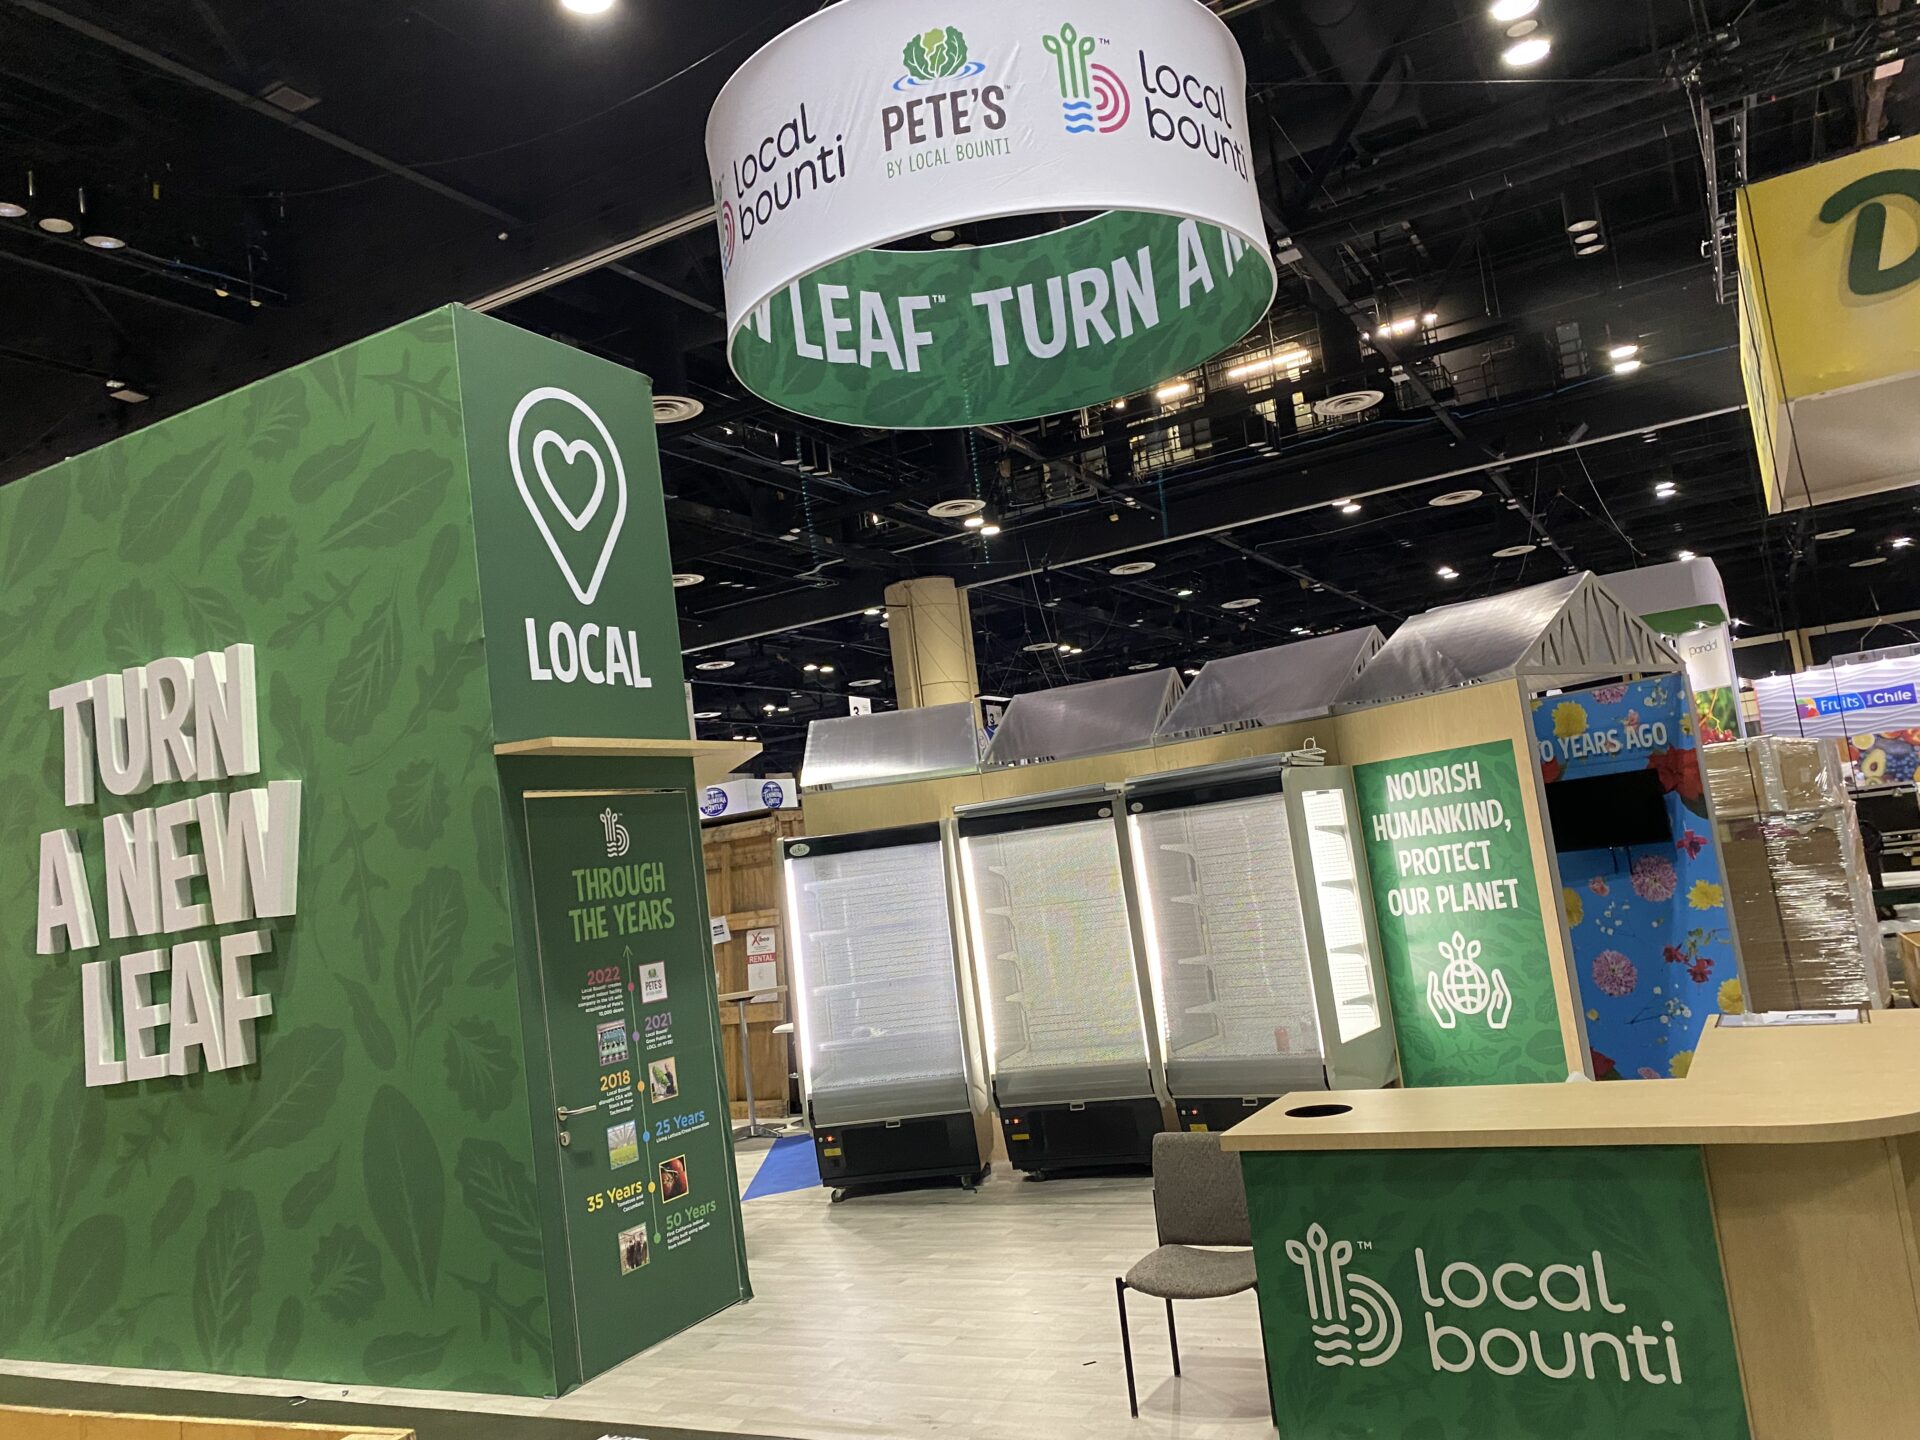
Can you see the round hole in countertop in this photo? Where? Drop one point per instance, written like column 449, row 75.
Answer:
column 1319, row 1112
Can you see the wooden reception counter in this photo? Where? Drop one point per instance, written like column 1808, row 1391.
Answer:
column 1603, row 1259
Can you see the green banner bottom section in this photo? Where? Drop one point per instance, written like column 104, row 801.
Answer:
column 1571, row 1292
column 944, row 338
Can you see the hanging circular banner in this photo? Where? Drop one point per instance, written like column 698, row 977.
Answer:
column 876, row 122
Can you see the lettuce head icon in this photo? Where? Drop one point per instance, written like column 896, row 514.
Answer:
column 936, row 54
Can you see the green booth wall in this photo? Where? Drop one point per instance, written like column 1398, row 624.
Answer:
column 379, row 1198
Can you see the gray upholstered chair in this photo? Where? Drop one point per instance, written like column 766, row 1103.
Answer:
column 1199, row 1199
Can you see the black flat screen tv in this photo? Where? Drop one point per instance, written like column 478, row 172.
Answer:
column 1607, row 812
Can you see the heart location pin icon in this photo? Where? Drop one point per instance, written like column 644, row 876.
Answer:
column 568, row 480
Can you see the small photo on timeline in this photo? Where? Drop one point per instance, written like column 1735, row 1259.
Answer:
column 613, row 1042
column 634, row 1250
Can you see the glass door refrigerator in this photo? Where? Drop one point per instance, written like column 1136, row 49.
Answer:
column 1069, row 1055
column 1262, row 956
column 880, row 1010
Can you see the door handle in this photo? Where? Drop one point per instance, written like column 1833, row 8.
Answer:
column 562, row 1115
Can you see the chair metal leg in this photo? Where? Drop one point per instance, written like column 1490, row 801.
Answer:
column 1126, row 1346
column 1173, row 1338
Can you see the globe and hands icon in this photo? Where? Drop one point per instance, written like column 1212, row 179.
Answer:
column 1463, row 987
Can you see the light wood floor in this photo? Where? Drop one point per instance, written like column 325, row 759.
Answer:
column 928, row 1313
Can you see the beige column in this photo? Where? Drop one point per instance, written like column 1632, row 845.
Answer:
column 931, row 625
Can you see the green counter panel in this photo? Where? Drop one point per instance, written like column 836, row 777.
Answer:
column 1565, row 1293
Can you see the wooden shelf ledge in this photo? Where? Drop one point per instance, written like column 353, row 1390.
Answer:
column 713, row 760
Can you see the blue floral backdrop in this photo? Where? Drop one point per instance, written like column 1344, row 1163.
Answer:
column 1651, row 940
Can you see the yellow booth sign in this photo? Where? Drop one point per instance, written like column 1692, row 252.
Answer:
column 1830, row 325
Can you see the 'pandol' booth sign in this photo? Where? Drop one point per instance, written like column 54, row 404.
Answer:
column 864, row 127
column 348, row 1032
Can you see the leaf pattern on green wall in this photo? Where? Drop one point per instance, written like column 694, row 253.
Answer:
column 438, row 566
column 33, row 526
column 307, row 1065
column 430, row 936
column 223, row 520
column 172, row 495
column 346, row 1274
column 267, row 558
column 100, row 477
column 309, row 1193
column 376, row 1037
column 399, row 495
column 327, row 467
column 336, row 376
column 418, row 804
column 363, row 687
column 406, row 1186
column 276, row 416
column 77, row 1141
column 173, row 1211
column 87, row 1275
column 316, row 610
column 133, row 628
column 481, row 1069
column 214, row 616
column 27, row 1122
column 360, row 887
column 20, row 1262
column 499, row 1191
column 75, row 623
column 284, row 1343
column 53, row 1009
column 292, row 731
column 427, row 400
column 226, row 1276
column 392, row 1359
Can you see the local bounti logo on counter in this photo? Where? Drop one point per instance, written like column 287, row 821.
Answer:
column 1356, row 1321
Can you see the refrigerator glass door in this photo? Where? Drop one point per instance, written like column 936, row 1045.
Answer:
column 1060, row 994
column 1222, row 916
column 879, row 1011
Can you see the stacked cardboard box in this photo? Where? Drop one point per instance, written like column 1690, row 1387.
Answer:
column 1796, row 873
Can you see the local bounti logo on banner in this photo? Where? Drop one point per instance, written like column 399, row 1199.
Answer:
column 856, row 131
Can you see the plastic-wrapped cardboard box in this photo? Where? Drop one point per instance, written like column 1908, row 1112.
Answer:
column 1796, row 875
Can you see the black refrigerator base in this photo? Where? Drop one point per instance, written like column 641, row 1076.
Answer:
column 1045, row 1140
column 891, row 1152
column 1219, row 1114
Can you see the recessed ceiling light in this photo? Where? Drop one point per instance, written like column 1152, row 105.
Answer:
column 1530, row 51
column 1901, row 542
column 54, row 225
column 956, row 509
column 1183, row 594
column 743, row 739
column 872, row 612
column 1506, row 11
column 989, row 530
column 686, row 580
column 1626, row 367
column 106, row 242
column 786, row 710
column 1455, row 497
column 1514, row 552
column 863, row 684
column 1839, row 534
column 1146, row 665
column 1623, row 352
column 826, row 669
column 1349, row 507
column 1134, row 567
column 1246, row 604
column 1666, row 490
column 810, row 667
column 1447, row 572
column 769, row 709
column 677, row 409
column 1591, row 245
column 1868, row 563
column 1522, row 29
column 941, row 237
column 976, row 522
column 706, row 714
column 1190, row 672
column 1686, row 555
column 1074, row 650
column 714, row 665
column 1064, row 648
column 1430, row 318
column 11, row 211
column 587, row 7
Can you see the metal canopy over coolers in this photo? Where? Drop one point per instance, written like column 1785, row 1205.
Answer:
column 1060, row 989
column 1261, row 954
column 1088, row 719
column 880, row 1008
column 1278, row 686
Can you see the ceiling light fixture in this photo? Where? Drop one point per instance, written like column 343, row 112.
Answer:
column 1626, row 367
column 989, row 531
column 1591, row 245
column 810, row 667
column 55, row 225
column 1348, row 507
column 1174, row 390
column 1530, row 51
column 976, row 522
column 1665, row 490
column 956, row 509
column 943, row 237
column 1134, row 567
column 1143, row 665
column 712, row 665
column 1507, row 11
column 686, row 580
column 127, row 395
column 872, row 612
column 1188, row 594
column 1901, row 542
column 1686, row 555
column 587, row 7
column 1514, row 552
column 1246, row 604
column 863, row 684
column 1288, row 360
column 1447, row 572
column 1625, row 351
column 770, row 709
column 1868, row 563
column 826, row 669
column 706, row 714
column 1839, row 534
column 1455, row 497
column 105, row 242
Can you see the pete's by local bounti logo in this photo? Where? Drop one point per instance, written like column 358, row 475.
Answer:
column 573, row 481
column 1092, row 97
column 1868, row 274
column 939, row 54
column 1356, row 1321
